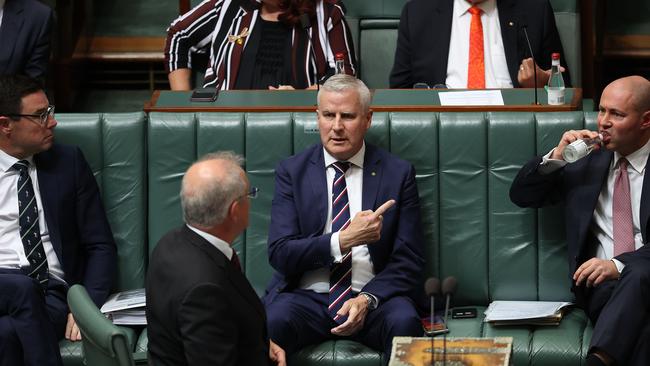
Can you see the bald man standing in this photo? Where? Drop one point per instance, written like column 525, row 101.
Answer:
column 607, row 208
column 201, row 310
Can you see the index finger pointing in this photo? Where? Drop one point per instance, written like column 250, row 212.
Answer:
column 383, row 208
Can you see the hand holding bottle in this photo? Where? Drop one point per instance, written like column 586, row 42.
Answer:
column 572, row 136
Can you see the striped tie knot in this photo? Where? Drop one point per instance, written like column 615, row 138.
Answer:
column 22, row 166
column 341, row 166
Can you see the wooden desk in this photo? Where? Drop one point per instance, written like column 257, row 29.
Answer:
column 393, row 100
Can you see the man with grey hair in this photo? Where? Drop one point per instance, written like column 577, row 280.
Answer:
column 345, row 236
column 201, row 310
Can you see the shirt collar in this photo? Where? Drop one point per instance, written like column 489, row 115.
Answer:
column 7, row 161
column 637, row 160
column 356, row 159
column 216, row 242
column 461, row 7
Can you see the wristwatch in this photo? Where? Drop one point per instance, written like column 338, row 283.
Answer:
column 372, row 301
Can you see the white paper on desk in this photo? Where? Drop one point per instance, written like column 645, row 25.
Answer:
column 474, row 97
column 518, row 310
column 125, row 300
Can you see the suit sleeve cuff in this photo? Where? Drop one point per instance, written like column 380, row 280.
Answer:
column 335, row 248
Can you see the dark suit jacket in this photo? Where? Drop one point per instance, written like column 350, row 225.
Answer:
column 200, row 309
column 25, row 38
column 425, row 31
column 79, row 229
column 298, row 215
column 578, row 185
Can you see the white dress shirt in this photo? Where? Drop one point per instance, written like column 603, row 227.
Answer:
column 496, row 67
column 362, row 270
column 601, row 224
column 223, row 247
column 12, row 251
column 2, row 10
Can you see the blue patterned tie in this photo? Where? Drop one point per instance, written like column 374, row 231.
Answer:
column 29, row 228
column 340, row 273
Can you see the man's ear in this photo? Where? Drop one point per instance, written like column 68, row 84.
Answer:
column 645, row 120
column 5, row 125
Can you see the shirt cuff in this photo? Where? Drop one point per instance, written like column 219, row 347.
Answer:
column 335, row 248
column 619, row 265
column 548, row 165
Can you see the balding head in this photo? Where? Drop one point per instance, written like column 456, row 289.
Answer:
column 636, row 88
column 210, row 186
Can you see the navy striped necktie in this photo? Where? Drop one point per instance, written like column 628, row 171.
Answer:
column 30, row 233
column 340, row 273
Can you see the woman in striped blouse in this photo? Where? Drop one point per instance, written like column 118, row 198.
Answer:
column 259, row 44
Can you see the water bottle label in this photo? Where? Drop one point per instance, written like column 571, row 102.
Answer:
column 555, row 97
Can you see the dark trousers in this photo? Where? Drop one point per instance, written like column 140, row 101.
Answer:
column 300, row 318
column 31, row 322
column 619, row 311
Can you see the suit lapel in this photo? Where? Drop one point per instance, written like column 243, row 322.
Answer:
column 48, row 186
column 318, row 180
column 440, row 34
column 510, row 26
column 12, row 22
column 645, row 204
column 372, row 174
column 246, row 23
column 595, row 170
column 240, row 283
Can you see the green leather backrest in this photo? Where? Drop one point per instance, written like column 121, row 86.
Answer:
column 465, row 163
column 374, row 24
column 114, row 145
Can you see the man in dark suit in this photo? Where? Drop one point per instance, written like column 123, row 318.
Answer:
column 201, row 310
column 607, row 209
column 347, row 264
column 25, row 27
column 54, row 229
column 433, row 39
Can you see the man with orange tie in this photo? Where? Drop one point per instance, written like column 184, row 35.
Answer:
column 475, row 44
column 607, row 207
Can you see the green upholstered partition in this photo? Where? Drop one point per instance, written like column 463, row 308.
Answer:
column 114, row 146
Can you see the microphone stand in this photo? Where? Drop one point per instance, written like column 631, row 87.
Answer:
column 530, row 48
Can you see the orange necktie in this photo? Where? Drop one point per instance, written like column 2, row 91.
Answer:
column 476, row 67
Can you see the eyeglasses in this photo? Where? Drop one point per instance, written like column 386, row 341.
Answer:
column 252, row 193
column 42, row 117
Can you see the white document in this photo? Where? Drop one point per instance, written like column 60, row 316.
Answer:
column 519, row 310
column 125, row 300
column 129, row 317
column 473, row 97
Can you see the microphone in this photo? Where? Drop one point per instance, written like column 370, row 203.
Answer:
column 432, row 289
column 530, row 48
column 449, row 285
column 305, row 23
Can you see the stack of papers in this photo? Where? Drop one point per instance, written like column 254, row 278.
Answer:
column 126, row 308
column 525, row 312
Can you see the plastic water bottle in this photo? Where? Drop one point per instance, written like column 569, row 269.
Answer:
column 555, row 82
column 339, row 64
column 578, row 149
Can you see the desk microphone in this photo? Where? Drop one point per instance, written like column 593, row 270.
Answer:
column 449, row 285
column 305, row 23
column 530, row 48
column 432, row 289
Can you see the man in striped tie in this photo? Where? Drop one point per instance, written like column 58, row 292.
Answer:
column 53, row 229
column 607, row 200
column 345, row 236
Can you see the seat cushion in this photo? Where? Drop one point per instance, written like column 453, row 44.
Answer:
column 339, row 352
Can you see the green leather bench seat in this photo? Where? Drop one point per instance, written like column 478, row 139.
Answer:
column 465, row 163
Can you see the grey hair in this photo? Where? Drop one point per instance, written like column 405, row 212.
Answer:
column 342, row 82
column 207, row 204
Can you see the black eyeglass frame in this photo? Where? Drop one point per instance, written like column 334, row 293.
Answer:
column 43, row 118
